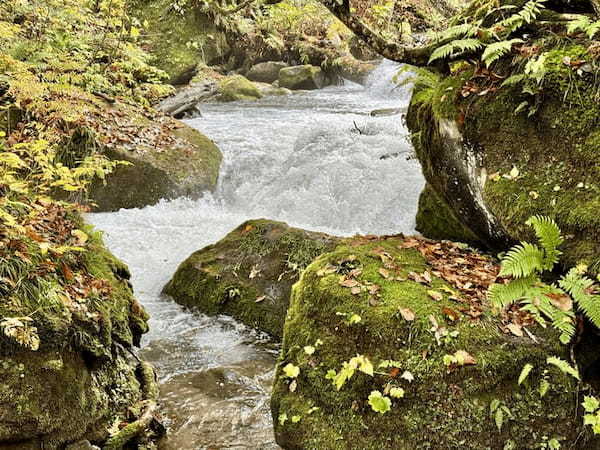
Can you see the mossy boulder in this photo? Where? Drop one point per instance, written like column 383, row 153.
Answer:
column 167, row 159
column 179, row 38
column 237, row 87
column 80, row 381
column 436, row 220
column 408, row 329
column 265, row 72
column 249, row 273
column 495, row 166
column 302, row 77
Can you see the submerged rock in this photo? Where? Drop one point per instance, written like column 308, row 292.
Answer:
column 265, row 72
column 249, row 273
column 302, row 77
column 375, row 326
column 168, row 159
column 495, row 167
column 237, row 87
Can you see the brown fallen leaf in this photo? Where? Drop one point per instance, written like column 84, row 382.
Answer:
column 384, row 273
column 407, row 314
column 437, row 296
column 515, row 329
column 464, row 358
column 355, row 290
column 561, row 301
column 451, row 314
column 349, row 283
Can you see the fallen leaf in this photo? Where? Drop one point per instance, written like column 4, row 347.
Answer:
column 407, row 314
column 515, row 329
column 260, row 299
column 349, row 283
column 561, row 301
column 384, row 273
column 435, row 295
column 464, row 358
column 355, row 290
column 451, row 314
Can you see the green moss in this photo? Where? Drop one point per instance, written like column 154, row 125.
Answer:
column 436, row 220
column 237, row 87
column 442, row 408
column 261, row 260
column 179, row 40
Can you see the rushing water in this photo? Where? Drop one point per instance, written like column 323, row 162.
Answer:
column 316, row 160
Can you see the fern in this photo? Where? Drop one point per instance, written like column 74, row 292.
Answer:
column 584, row 25
column 523, row 260
column 503, row 295
column 525, row 263
column 582, row 290
column 461, row 31
column 549, row 236
column 455, row 48
column 495, row 51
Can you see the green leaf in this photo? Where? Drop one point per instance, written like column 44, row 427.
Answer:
column 590, row 404
column 397, row 392
column 291, row 371
column 544, row 386
column 309, row 349
column 564, row 366
column 379, row 403
column 525, row 373
column 499, row 418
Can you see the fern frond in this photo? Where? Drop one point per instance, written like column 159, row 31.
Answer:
column 581, row 289
column 462, row 31
column 548, row 234
column 503, row 295
column 455, row 48
column 495, row 51
column 522, row 260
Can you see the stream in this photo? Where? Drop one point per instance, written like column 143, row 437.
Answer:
column 316, row 160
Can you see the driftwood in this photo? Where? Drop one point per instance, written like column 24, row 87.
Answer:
column 186, row 100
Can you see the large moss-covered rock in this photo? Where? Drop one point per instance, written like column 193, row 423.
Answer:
column 496, row 167
column 80, row 381
column 179, row 36
column 302, row 77
column 167, row 159
column 409, row 329
column 237, row 87
column 249, row 273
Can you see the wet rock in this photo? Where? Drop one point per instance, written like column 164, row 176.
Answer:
column 355, row 70
column 436, row 220
column 270, row 90
column 168, row 159
column 237, row 87
column 302, row 77
column 82, row 445
column 384, row 112
column 468, row 158
column 406, row 337
column 249, row 273
column 265, row 72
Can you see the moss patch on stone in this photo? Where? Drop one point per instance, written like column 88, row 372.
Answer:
column 179, row 40
column 249, row 273
column 167, row 159
column 436, row 220
column 237, row 87
column 443, row 407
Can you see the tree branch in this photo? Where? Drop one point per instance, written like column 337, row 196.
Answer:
column 416, row 56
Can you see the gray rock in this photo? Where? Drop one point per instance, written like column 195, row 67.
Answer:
column 82, row 445
column 265, row 72
column 302, row 77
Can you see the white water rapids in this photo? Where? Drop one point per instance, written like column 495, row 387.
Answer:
column 313, row 160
